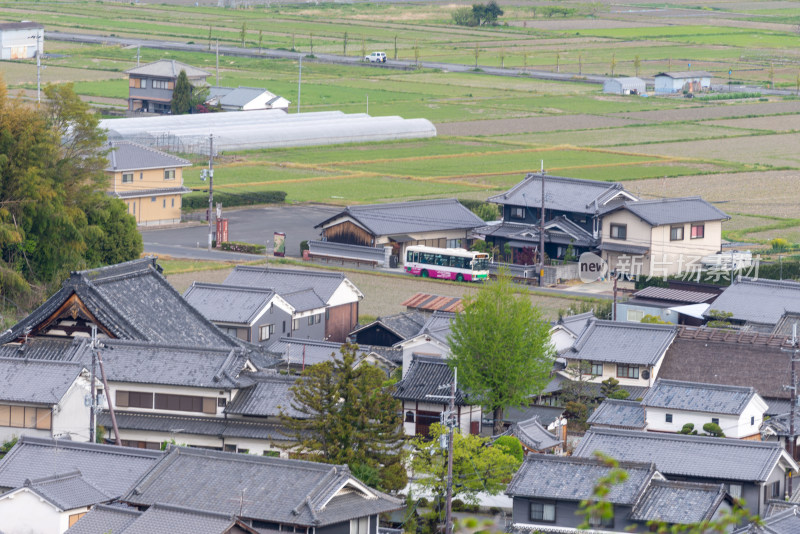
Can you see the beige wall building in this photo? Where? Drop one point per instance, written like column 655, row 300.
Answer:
column 150, row 182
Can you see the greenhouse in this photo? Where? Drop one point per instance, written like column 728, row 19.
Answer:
column 247, row 130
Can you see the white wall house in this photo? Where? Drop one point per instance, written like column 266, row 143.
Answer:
column 677, row 82
column 21, row 40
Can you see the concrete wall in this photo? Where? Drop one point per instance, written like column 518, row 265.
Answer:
column 72, row 417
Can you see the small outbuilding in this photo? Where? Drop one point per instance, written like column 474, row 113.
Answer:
column 624, row 86
column 677, row 82
column 21, row 40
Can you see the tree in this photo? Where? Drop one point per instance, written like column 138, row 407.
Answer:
column 637, row 64
column 243, row 32
column 477, row 466
column 719, row 319
column 610, row 389
column 7, row 446
column 501, row 347
column 348, row 418
column 713, row 429
column 464, row 16
column 613, row 63
column 181, row 95
column 578, row 394
column 486, row 14
column 652, row 319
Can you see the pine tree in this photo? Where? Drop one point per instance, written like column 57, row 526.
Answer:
column 181, row 95
column 348, row 418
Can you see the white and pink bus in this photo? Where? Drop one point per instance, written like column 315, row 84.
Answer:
column 447, row 263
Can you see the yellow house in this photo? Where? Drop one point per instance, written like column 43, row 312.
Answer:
column 149, row 181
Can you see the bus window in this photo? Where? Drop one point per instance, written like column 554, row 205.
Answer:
column 409, row 256
column 426, row 257
column 441, row 260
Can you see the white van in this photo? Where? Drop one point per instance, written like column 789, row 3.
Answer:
column 376, row 57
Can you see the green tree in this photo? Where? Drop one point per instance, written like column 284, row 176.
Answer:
column 510, row 445
column 719, row 319
column 477, row 466
column 181, row 95
column 243, row 32
column 486, row 14
column 501, row 347
column 652, row 319
column 7, row 446
column 637, row 64
column 713, row 429
column 464, row 16
column 348, row 418
column 578, row 394
column 609, row 388
column 111, row 235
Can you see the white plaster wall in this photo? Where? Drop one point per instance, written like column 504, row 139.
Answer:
column 561, row 339
column 673, row 257
column 610, row 371
column 344, row 294
column 656, row 421
column 171, row 390
column 71, row 418
column 26, row 513
column 425, row 346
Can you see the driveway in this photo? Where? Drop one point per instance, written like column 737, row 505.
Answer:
column 255, row 225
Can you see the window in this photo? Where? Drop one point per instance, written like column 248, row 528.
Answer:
column 597, row 369
column 453, row 243
column 775, row 488
column 265, row 331
column 676, row 233
column 25, row 417
column 310, row 319
column 327, row 314
column 715, row 420
column 735, row 491
column 409, row 417
column 173, row 202
column 164, row 203
column 668, row 418
column 144, row 83
column 221, row 402
column 635, row 316
column 152, row 199
column 627, row 371
column 169, row 174
column 295, row 324
column 134, row 208
column 315, row 319
column 597, row 520
column 359, row 526
column 517, row 213
column 752, row 420
column 134, row 399
column 162, row 84
column 619, row 231
column 543, row 511
column 141, row 176
column 698, row 231
column 185, row 403
column 127, row 177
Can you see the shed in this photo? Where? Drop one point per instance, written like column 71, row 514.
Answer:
column 21, row 40
column 624, row 86
column 677, row 82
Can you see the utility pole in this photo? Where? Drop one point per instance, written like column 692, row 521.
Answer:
column 216, row 81
column 210, row 190
column 449, row 419
column 38, row 68
column 137, row 55
column 793, row 392
column 541, row 234
column 93, row 392
column 614, row 314
column 95, row 401
column 299, row 81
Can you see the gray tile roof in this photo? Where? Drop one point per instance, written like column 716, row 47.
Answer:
column 687, row 74
column 103, row 519
column 555, row 385
column 698, row 397
column 687, row 456
column 533, row 435
column 276, row 490
column 269, row 393
column 131, row 300
column 568, row 478
column 674, row 295
column 240, row 96
column 424, row 376
column 410, row 217
column 785, row 325
column 311, row 351
column 20, row 26
column 198, row 426
column 403, row 325
column 36, row 381
column 438, row 325
column 614, row 413
column 127, row 156
column 546, row 414
column 285, row 281
column 168, row 68
column 304, row 300
column 151, row 363
column 627, row 343
column 676, row 502
column 623, row 247
column 228, row 303
column 673, row 210
column 576, row 323
column 562, row 194
column 558, row 230
column 67, row 491
column 785, row 522
column 111, row 469
column 759, row 301
column 40, row 348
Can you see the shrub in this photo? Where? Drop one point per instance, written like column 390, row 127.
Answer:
column 779, row 244
column 303, row 246
column 494, row 510
column 510, row 445
column 688, row 428
column 458, row 505
column 485, row 210
column 713, row 429
column 199, row 199
column 463, row 16
column 247, row 248
column 470, row 522
column 423, row 502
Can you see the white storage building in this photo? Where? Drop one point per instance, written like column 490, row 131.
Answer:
column 677, row 82
column 19, row 40
column 624, row 86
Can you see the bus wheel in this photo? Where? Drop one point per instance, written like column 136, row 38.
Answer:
column 459, row 278
column 424, row 273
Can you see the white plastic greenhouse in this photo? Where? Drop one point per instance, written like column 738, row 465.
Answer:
column 245, row 130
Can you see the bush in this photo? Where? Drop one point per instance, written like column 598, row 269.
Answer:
column 470, row 522
column 713, row 429
column 485, row 210
column 463, row 16
column 779, row 244
column 199, row 199
column 510, row 445
column 303, row 246
column 423, row 502
column 247, row 248
column 687, row 429
column 494, row 510
column 458, row 505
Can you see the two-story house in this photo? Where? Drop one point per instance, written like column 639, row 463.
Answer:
column 149, row 181
column 547, row 492
column 572, row 207
column 150, row 86
column 754, row 471
column 660, row 237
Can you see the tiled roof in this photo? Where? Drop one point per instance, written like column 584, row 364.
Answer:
column 759, row 301
column 299, row 351
column 785, row 326
column 556, row 384
column 403, row 325
column 304, row 300
column 429, row 303
column 410, row 217
column 196, row 425
column 698, row 397
column 785, row 522
column 285, row 281
column 576, row 323
column 102, row 519
column 546, row 476
column 237, row 97
column 132, row 300
column 109, row 468
column 128, row 156
column 67, row 491
column 614, row 413
column 627, row 343
column 675, row 502
column 20, row 26
column 674, row 295
column 622, row 247
column 228, row 303
column 558, row 230
column 424, row 377
column 562, row 194
column 277, row 490
column 546, row 414
column 155, row 192
column 157, row 518
column 673, row 210
column 715, row 356
column 168, row 68
column 438, row 325
column 42, row 348
column 533, row 435
column 36, row 381
column 269, row 393
column 687, row 456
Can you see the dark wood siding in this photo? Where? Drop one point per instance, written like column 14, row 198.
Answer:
column 341, row 321
column 376, row 335
column 347, row 232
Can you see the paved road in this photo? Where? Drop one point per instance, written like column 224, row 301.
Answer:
column 256, row 225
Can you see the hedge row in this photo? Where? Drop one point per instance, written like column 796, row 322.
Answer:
column 247, row 248
column 199, row 199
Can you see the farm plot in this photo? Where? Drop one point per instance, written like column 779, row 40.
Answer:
column 718, row 111
column 780, row 123
column 491, row 127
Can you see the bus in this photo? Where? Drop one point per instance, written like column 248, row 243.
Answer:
column 447, row 263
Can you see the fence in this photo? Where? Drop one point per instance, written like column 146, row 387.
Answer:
column 341, row 252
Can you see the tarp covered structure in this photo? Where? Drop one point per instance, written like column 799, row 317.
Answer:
column 247, row 130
